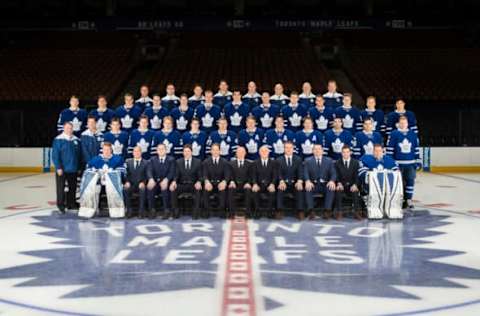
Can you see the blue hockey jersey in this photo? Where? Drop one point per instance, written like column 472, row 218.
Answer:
column 333, row 100
column 228, row 143
column 170, row 102
column 144, row 103
column 182, row 118
column 142, row 138
column 363, row 143
column 304, row 142
column 193, row 101
column 279, row 100
column 78, row 118
column 119, row 142
column 252, row 141
column 198, row 142
column 115, row 162
column 222, row 99
column 66, row 153
column 236, row 115
column 172, row 141
column 91, row 144
column 155, row 116
column 378, row 118
column 274, row 139
column 322, row 118
column 128, row 117
column 265, row 116
column 208, row 116
column 334, row 141
column 403, row 146
column 393, row 117
column 370, row 163
column 351, row 118
column 307, row 101
column 103, row 118
column 252, row 100
column 293, row 116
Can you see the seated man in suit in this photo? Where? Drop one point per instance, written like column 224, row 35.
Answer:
column 240, row 181
column 188, row 178
column 135, row 181
column 319, row 176
column 216, row 175
column 348, row 183
column 264, row 178
column 162, row 172
column 290, row 180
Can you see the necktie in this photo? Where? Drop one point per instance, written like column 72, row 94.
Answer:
column 188, row 165
column 289, row 161
column 265, row 163
column 136, row 164
column 346, row 164
column 318, row 162
column 240, row 164
column 215, row 162
column 161, row 161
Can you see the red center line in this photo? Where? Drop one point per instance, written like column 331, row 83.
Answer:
column 238, row 290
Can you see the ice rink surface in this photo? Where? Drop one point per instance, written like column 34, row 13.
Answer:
column 427, row 264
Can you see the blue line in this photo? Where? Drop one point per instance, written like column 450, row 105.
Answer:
column 435, row 309
column 42, row 309
column 456, row 177
column 19, row 177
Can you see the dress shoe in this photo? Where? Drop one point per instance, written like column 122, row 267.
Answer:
column 301, row 215
column 312, row 215
column 152, row 214
column 338, row 215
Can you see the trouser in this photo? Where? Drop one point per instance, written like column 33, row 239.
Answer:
column 71, row 179
column 298, row 197
column 409, row 174
column 187, row 188
column 127, row 193
column 165, row 195
column 270, row 200
column 246, row 194
column 222, row 196
column 328, row 196
column 340, row 196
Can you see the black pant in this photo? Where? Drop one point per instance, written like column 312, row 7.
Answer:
column 297, row 194
column 187, row 188
column 165, row 195
column 257, row 195
column 128, row 197
column 222, row 195
column 71, row 180
column 340, row 195
column 246, row 195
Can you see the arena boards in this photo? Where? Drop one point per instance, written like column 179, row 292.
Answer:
column 57, row 264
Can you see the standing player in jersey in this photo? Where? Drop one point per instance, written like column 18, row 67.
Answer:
column 366, row 139
column 349, row 114
column 91, row 140
column 103, row 115
column 75, row 115
column 197, row 98
column 128, row 113
column 293, row 113
column 333, row 99
column 307, row 98
column 156, row 113
column 236, row 112
column 144, row 101
column 182, row 114
column 265, row 112
column 377, row 116
column 141, row 137
column 227, row 140
column 276, row 137
column 321, row 115
column 169, row 137
column 252, row 98
column 306, row 138
column 336, row 138
column 278, row 98
column 393, row 118
column 118, row 138
column 251, row 138
column 170, row 101
column 208, row 113
column 196, row 138
column 403, row 146
column 223, row 96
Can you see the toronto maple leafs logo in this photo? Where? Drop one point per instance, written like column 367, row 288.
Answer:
column 156, row 122
column 101, row 125
column 252, row 146
column 224, row 148
column 207, row 120
column 127, row 121
column 307, row 147
column 266, row 120
column 368, row 148
column 235, row 119
column 337, row 145
column 77, row 124
column 144, row 145
column 405, row 146
column 168, row 146
column 295, row 119
column 182, row 123
column 321, row 122
column 347, row 121
column 278, row 147
column 117, row 147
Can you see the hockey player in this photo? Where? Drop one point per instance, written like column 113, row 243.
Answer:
column 252, row 98
column 349, row 114
column 227, row 140
column 333, row 99
column 265, row 112
column 276, row 137
column 251, row 138
column 208, row 113
column 170, row 101
column 236, row 112
column 366, row 139
column 196, row 138
column 197, row 98
column 141, row 137
column 223, row 96
column 156, row 113
column 117, row 137
column 377, row 116
column 144, row 101
column 393, row 117
column 307, row 98
column 278, row 98
column 128, row 113
column 75, row 115
column 321, row 115
column 403, row 146
column 306, row 138
column 182, row 114
column 91, row 140
column 293, row 113
column 103, row 115
column 336, row 138
column 169, row 137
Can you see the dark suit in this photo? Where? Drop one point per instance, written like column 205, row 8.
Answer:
column 320, row 176
column 241, row 176
column 135, row 176
column 347, row 177
column 158, row 172
column 263, row 177
column 290, row 174
column 185, row 179
column 215, row 174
